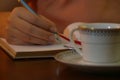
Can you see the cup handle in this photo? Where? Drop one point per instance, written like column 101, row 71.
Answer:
column 74, row 45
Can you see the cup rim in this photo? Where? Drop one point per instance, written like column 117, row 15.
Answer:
column 108, row 26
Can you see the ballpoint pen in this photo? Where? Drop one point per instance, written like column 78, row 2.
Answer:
column 33, row 12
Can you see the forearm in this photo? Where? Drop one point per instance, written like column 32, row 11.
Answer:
column 3, row 23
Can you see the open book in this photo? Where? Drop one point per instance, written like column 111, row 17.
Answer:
column 31, row 51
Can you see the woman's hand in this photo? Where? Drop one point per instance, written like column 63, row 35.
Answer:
column 27, row 28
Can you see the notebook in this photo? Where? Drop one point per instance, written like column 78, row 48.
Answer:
column 31, row 51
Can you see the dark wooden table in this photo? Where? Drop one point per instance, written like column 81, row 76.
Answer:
column 44, row 69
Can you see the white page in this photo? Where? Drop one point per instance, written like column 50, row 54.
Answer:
column 32, row 48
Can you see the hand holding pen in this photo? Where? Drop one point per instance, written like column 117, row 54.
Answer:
column 32, row 11
column 26, row 28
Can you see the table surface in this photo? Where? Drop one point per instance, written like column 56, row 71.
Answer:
column 45, row 69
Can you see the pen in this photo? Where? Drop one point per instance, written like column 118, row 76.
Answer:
column 27, row 6
column 33, row 12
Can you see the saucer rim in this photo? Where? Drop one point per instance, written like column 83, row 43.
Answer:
column 83, row 64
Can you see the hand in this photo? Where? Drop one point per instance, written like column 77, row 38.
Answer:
column 27, row 28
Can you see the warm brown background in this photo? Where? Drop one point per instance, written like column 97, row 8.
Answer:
column 8, row 5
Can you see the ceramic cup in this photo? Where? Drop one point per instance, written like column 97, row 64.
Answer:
column 100, row 42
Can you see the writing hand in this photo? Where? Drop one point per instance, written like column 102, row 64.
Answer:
column 27, row 28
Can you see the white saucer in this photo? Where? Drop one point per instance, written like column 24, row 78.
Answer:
column 74, row 60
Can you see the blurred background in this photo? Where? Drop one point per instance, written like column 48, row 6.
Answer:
column 8, row 5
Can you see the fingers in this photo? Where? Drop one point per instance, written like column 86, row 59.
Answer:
column 29, row 29
column 40, row 21
column 23, row 39
column 22, row 29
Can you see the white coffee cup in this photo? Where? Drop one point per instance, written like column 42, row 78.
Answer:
column 100, row 42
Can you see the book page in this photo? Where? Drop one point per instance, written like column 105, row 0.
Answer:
column 32, row 48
